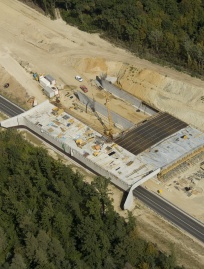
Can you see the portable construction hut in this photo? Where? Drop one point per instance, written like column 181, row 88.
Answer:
column 55, row 90
column 49, row 92
column 43, row 82
column 51, row 80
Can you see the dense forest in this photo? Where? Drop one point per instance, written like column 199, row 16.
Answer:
column 50, row 218
column 163, row 30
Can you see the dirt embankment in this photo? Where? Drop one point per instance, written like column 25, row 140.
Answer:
column 179, row 98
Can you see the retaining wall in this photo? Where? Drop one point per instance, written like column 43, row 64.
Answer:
column 95, row 106
column 128, row 98
column 89, row 163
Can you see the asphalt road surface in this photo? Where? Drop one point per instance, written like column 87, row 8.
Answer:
column 9, row 108
column 170, row 212
column 163, row 208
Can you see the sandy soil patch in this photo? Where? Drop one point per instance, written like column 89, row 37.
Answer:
column 24, row 78
column 64, row 51
column 179, row 98
column 15, row 92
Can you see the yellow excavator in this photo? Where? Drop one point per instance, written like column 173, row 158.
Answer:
column 109, row 130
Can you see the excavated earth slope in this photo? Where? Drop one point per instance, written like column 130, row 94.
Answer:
column 56, row 48
column 177, row 97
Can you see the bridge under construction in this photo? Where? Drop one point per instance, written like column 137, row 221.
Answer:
column 128, row 159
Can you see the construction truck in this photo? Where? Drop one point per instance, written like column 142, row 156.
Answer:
column 109, row 129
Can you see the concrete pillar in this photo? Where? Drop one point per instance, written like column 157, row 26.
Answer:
column 130, row 198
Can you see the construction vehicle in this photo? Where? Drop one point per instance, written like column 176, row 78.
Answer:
column 32, row 101
column 109, row 130
column 36, row 76
column 35, row 103
column 84, row 88
column 57, row 98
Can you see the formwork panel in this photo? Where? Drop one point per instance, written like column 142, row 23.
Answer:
column 150, row 133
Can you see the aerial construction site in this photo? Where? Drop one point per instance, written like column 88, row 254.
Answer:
column 129, row 153
column 138, row 123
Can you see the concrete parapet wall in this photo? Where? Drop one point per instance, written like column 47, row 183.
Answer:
column 22, row 121
column 129, row 200
column 101, row 109
column 128, row 97
column 12, row 122
column 89, row 163
column 99, row 170
column 185, row 158
column 41, row 133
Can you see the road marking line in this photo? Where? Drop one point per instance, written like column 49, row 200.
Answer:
column 8, row 109
column 170, row 213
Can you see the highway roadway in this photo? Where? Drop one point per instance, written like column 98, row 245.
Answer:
column 9, row 108
column 153, row 201
column 170, row 212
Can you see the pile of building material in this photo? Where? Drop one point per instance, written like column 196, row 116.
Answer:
column 48, row 84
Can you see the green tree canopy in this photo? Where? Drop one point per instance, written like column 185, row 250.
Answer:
column 51, row 219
